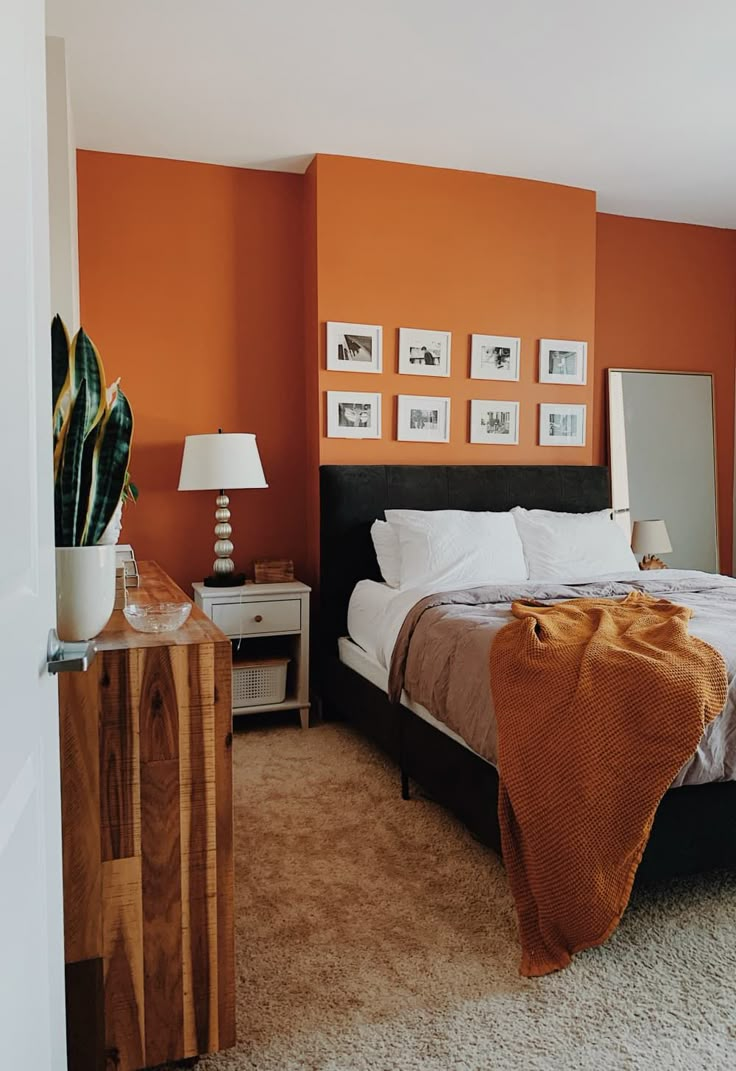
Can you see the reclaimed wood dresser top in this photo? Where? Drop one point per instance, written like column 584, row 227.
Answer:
column 157, row 586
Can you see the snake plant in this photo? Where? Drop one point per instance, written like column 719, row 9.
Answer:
column 93, row 426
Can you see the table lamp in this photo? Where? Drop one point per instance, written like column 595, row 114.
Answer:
column 212, row 463
column 650, row 538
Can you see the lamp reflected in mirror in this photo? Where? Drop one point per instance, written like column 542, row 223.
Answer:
column 650, row 539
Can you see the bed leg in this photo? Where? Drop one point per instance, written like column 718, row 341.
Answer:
column 402, row 754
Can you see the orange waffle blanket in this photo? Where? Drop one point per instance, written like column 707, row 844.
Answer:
column 599, row 703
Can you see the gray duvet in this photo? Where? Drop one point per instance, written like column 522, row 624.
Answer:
column 441, row 655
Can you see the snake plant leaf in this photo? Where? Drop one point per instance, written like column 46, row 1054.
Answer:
column 82, row 363
column 67, row 501
column 110, row 466
column 92, row 427
column 85, row 476
column 85, row 364
column 59, row 368
column 61, row 387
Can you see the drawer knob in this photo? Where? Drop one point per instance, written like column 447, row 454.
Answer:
column 258, row 617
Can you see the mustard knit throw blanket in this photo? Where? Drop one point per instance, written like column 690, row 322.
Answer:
column 599, row 703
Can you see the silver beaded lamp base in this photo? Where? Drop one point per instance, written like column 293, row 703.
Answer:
column 223, row 569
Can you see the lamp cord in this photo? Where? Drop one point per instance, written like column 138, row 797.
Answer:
column 240, row 620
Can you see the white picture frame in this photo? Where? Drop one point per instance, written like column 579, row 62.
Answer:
column 424, row 353
column 354, row 347
column 495, row 357
column 353, row 414
column 494, row 422
column 562, row 361
column 422, row 419
column 562, row 425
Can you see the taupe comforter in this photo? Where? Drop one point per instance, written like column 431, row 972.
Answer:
column 441, row 656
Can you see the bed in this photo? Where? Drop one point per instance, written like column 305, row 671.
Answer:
column 695, row 826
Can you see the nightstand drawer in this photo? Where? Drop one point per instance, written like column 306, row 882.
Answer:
column 249, row 618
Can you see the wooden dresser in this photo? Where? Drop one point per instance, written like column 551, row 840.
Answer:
column 146, row 782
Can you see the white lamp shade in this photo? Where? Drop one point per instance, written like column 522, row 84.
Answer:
column 220, row 462
column 650, row 537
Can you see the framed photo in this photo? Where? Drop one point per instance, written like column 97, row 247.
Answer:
column 494, row 357
column 494, row 422
column 562, row 425
column 561, row 361
column 354, row 348
column 424, row 353
column 423, row 420
column 353, row 415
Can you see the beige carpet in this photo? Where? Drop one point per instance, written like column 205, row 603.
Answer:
column 377, row 935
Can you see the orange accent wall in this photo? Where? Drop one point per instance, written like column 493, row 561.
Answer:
column 208, row 288
column 311, row 359
column 666, row 299
column 192, row 287
column 407, row 246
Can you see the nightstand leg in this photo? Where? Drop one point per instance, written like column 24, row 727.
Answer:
column 304, row 717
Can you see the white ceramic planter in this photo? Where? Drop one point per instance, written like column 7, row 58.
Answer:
column 85, row 590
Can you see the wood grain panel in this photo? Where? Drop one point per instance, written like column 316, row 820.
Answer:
column 122, row 924
column 119, row 755
column 159, row 720
column 224, row 838
column 85, row 1025
column 161, row 882
column 199, row 872
column 80, row 814
column 193, row 670
column 147, row 833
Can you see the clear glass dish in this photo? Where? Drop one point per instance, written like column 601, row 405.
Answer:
column 157, row 616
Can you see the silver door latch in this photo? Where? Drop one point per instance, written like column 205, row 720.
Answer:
column 68, row 657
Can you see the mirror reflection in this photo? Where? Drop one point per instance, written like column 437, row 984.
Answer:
column 663, row 461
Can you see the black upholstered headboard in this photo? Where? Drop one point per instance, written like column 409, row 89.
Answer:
column 353, row 496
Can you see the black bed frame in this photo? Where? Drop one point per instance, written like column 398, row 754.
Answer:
column 695, row 827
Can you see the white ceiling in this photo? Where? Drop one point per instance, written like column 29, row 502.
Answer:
column 633, row 98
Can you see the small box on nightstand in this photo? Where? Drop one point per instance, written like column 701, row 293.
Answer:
column 268, row 624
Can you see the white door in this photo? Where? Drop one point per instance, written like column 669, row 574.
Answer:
column 31, row 941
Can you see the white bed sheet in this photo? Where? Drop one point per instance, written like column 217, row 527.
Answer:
column 366, row 611
column 376, row 613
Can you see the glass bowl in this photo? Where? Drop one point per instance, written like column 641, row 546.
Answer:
column 157, row 616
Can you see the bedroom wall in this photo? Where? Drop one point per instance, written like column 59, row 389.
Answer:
column 192, row 287
column 402, row 245
column 311, row 364
column 666, row 299
column 207, row 289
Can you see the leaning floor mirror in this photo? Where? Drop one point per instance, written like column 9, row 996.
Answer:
column 663, row 460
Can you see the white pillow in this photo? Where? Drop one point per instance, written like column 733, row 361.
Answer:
column 451, row 547
column 571, row 546
column 388, row 552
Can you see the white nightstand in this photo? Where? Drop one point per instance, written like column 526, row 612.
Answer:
column 264, row 621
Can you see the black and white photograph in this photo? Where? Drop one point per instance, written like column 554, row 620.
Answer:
column 562, row 425
column 494, row 422
column 562, row 361
column 354, row 348
column 353, row 415
column 494, row 357
column 424, row 353
column 422, row 419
